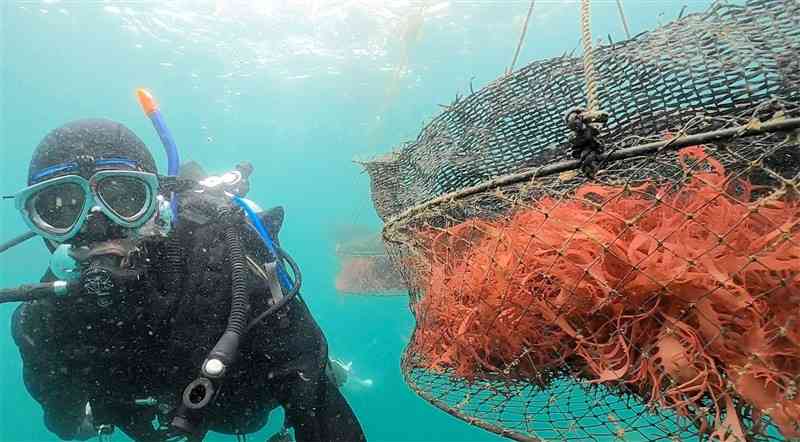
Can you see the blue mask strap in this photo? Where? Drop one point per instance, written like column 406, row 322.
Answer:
column 52, row 170
column 117, row 162
column 59, row 168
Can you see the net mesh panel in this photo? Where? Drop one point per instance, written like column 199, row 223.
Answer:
column 366, row 269
column 656, row 301
column 711, row 64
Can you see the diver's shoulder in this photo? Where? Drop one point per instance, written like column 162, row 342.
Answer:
column 30, row 321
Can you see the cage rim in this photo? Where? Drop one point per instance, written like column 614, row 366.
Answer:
column 678, row 142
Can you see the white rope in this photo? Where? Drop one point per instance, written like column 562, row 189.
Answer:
column 521, row 38
column 588, row 57
column 624, row 20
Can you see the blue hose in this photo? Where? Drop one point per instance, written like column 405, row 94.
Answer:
column 173, row 159
column 286, row 282
column 173, row 165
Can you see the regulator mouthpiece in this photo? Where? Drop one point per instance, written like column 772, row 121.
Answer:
column 63, row 265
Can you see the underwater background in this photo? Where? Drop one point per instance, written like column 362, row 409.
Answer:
column 299, row 88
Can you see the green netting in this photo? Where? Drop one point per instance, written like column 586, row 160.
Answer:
column 365, row 268
column 656, row 300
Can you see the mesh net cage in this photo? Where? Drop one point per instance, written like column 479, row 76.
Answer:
column 366, row 269
column 658, row 299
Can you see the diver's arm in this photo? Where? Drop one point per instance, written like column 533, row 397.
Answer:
column 48, row 382
column 63, row 414
column 297, row 358
column 317, row 411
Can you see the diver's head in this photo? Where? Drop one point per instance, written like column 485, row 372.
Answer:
column 89, row 181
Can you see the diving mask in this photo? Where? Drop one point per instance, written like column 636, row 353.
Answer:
column 58, row 207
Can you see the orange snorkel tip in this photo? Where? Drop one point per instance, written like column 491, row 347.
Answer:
column 147, row 101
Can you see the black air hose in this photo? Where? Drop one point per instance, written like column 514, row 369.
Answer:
column 32, row 292
column 228, row 345
column 198, row 394
column 16, row 241
column 189, row 416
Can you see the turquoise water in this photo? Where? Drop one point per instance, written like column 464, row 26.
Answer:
column 297, row 87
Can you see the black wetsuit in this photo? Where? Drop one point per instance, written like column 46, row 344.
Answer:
column 152, row 343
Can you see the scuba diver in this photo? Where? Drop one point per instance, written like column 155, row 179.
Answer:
column 168, row 309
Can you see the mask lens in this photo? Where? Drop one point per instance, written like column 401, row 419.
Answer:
column 57, row 207
column 126, row 196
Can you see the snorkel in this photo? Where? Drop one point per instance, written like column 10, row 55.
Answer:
column 150, row 109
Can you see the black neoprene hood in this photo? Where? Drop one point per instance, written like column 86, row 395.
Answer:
column 94, row 138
